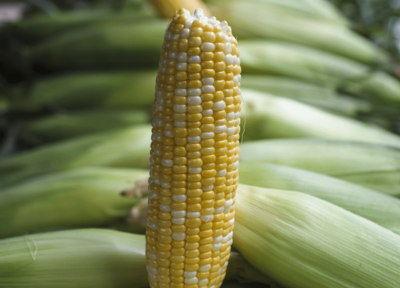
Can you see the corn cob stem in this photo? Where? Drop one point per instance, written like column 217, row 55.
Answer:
column 194, row 155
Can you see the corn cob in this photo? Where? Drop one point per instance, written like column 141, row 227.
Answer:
column 64, row 126
column 85, row 197
column 373, row 166
column 269, row 116
column 168, row 8
column 256, row 19
column 43, row 26
column 372, row 205
column 101, row 46
column 319, row 96
column 194, row 155
column 125, row 148
column 317, row 67
column 82, row 90
column 302, row 241
column 88, row 258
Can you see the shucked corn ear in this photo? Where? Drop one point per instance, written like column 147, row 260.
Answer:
column 260, row 19
column 373, row 166
column 125, row 148
column 101, row 46
column 64, row 126
column 315, row 95
column 269, row 116
column 73, row 199
column 88, row 258
column 302, row 241
column 83, row 90
column 317, row 67
column 194, row 155
column 372, row 205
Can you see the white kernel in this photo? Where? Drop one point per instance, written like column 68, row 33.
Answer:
column 208, row 188
column 207, row 47
column 194, row 59
column 194, row 92
column 175, row 37
column 153, row 277
column 235, row 81
column 237, row 61
column 188, row 24
column 168, row 35
column 208, row 89
column 219, row 210
column 237, row 115
column 207, row 218
column 193, row 214
column 231, row 130
column 151, row 256
column 208, row 112
column 194, row 139
column 152, row 225
column 230, row 242
column 220, row 105
column 228, row 204
column 180, row 108
column 228, row 59
column 216, row 247
column 205, row 268
column 167, row 162
column 157, row 122
column 220, row 271
column 232, row 221
column 236, row 164
column 228, row 48
column 158, row 137
column 230, row 116
column 207, row 81
column 181, row 66
column 185, row 33
column 198, row 13
column 213, row 286
column 190, row 274
column 194, row 170
column 178, row 213
column 159, row 93
column 157, row 181
column 178, row 236
column 220, row 129
column 207, row 135
column 194, row 100
column 180, row 123
column 225, row 264
column 169, row 133
column 217, row 240
column 182, row 57
column 203, row 282
column 180, row 92
column 165, row 207
column 178, row 221
column 179, row 197
column 173, row 54
column 221, row 173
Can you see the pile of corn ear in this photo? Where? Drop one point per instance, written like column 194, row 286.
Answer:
column 318, row 201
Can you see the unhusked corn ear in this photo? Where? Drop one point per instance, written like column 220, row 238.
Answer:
column 168, row 8
column 194, row 154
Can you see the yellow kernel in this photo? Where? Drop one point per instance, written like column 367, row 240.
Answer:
column 193, row 200
column 181, row 76
column 196, row 31
column 194, row 109
column 197, row 162
column 207, row 204
column 207, row 64
column 205, row 261
column 208, row 128
column 163, row 247
column 179, row 168
column 163, row 279
column 179, row 228
column 180, row 132
column 178, row 279
column 220, row 75
column 206, row 56
column 208, row 173
column 164, row 254
column 207, row 142
column 176, row 272
column 194, row 68
column 194, row 185
column 208, row 151
column 178, row 205
column 220, row 37
column 208, row 37
column 194, row 51
column 194, row 207
column 178, row 266
column 178, row 252
column 205, row 248
column 192, row 253
column 180, row 161
column 191, row 267
column 192, row 238
column 195, row 192
column 195, row 84
column 177, row 259
column 208, row 73
column 219, row 66
column 207, row 97
column 183, row 45
column 194, row 177
column 192, row 261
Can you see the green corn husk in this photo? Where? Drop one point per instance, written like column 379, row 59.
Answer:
column 44, row 26
column 124, row 148
column 262, row 20
column 83, row 90
column 88, row 258
column 88, row 197
column 313, row 66
column 373, row 166
column 64, row 126
column 102, row 46
column 302, row 241
column 269, row 116
column 382, row 209
column 322, row 97
column 315, row 9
